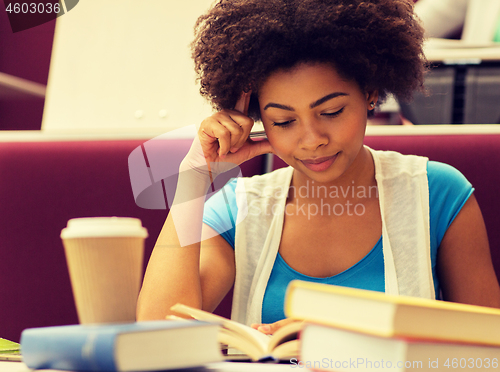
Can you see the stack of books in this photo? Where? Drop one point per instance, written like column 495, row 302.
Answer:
column 351, row 329
column 335, row 329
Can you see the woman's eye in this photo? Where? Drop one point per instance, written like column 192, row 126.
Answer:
column 283, row 124
column 333, row 114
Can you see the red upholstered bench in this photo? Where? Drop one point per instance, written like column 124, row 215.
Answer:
column 43, row 185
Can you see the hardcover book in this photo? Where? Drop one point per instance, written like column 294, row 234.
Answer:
column 386, row 315
column 327, row 348
column 141, row 346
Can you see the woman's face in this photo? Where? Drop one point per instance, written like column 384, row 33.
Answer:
column 314, row 119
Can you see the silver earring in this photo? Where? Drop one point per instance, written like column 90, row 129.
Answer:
column 372, row 105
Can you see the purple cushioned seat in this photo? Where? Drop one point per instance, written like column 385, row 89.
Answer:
column 42, row 186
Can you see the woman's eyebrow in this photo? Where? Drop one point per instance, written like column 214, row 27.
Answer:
column 312, row 105
column 278, row 105
column 327, row 98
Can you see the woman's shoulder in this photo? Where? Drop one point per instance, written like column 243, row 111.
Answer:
column 449, row 190
column 445, row 175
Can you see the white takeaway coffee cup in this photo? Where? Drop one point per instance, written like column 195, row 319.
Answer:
column 105, row 261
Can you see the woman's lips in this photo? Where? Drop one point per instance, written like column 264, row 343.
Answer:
column 319, row 164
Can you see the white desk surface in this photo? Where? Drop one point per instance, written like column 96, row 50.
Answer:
column 213, row 367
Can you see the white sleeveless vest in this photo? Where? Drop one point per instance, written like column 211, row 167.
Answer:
column 404, row 206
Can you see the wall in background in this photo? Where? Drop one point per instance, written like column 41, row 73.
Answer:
column 115, row 66
column 24, row 54
column 124, row 66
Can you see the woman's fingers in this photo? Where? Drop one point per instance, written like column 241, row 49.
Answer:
column 246, row 125
column 225, row 135
column 269, row 329
column 229, row 128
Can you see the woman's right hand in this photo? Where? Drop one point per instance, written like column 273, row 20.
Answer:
column 271, row 328
column 224, row 138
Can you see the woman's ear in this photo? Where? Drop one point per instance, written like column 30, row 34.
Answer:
column 371, row 99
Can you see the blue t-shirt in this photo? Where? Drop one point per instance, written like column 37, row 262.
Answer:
column 448, row 192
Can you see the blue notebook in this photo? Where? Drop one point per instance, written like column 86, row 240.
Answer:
column 141, row 346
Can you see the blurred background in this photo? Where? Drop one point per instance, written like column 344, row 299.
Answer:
column 117, row 67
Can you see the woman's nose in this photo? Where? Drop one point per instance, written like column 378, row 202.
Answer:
column 313, row 136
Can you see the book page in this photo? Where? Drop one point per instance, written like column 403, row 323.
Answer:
column 258, row 339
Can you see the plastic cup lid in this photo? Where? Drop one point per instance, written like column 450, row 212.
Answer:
column 100, row 227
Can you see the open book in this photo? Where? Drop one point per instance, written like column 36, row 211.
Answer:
column 283, row 344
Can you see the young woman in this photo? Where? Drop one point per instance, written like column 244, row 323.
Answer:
column 341, row 213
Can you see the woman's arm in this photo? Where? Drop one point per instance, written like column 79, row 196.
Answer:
column 181, row 269
column 465, row 268
column 198, row 275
